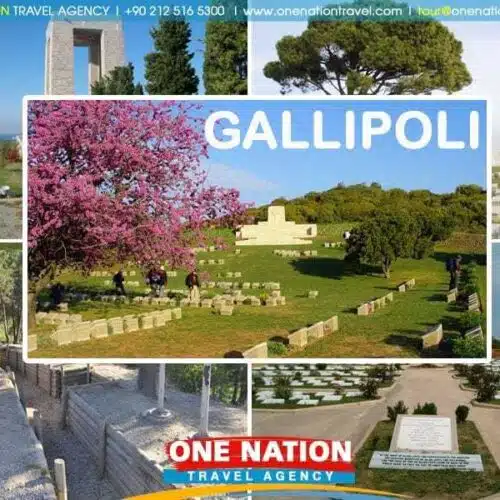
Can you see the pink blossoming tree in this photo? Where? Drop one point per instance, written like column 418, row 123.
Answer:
column 111, row 181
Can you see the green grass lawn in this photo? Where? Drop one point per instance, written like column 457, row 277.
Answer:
column 391, row 332
column 12, row 175
column 444, row 484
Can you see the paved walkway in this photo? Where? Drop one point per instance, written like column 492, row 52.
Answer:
column 355, row 421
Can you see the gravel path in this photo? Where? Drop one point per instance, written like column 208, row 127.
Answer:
column 11, row 219
column 83, row 479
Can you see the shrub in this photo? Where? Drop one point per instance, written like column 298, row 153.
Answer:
column 282, row 388
column 425, row 409
column 487, row 386
column 297, row 376
column 472, row 347
column 276, row 349
column 384, row 373
column 469, row 320
column 475, row 373
column 258, row 380
column 369, row 388
column 462, row 412
column 463, row 370
column 394, row 411
column 321, row 366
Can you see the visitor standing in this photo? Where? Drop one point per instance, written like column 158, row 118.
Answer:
column 118, row 280
column 162, row 281
column 193, row 284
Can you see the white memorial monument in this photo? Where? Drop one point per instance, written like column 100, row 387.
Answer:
column 425, row 442
column 276, row 231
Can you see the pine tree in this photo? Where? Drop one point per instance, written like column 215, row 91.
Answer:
column 225, row 64
column 119, row 81
column 169, row 69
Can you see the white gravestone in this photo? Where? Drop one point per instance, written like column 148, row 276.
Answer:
column 276, row 231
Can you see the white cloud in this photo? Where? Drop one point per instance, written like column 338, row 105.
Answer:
column 249, row 184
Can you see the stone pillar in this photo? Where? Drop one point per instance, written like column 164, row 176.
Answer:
column 105, row 43
column 147, row 380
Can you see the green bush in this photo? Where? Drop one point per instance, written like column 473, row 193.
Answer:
column 297, row 376
column 469, row 320
column 425, row 409
column 462, row 370
column 369, row 388
column 394, row 411
column 462, row 412
column 282, row 388
column 487, row 386
column 472, row 347
column 276, row 349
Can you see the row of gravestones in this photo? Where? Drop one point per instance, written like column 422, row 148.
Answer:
column 371, row 306
column 224, row 303
column 336, row 244
column 407, row 285
column 125, row 273
column 244, row 285
column 211, row 262
column 301, row 399
column 102, row 328
column 230, row 274
column 295, row 253
column 211, row 248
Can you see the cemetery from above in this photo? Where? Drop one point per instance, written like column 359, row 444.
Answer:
column 427, row 435
column 260, row 299
column 301, row 386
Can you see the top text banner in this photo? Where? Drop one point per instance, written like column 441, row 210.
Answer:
column 252, row 10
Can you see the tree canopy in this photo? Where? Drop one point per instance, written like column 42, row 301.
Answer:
column 465, row 207
column 169, row 69
column 11, row 291
column 360, row 56
column 226, row 54
column 111, row 181
column 119, row 81
column 385, row 237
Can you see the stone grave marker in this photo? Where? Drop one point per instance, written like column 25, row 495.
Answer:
column 115, row 326
column 99, row 329
column 298, row 338
column 433, row 336
column 130, row 323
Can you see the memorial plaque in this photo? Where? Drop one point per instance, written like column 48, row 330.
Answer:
column 424, row 433
column 425, row 461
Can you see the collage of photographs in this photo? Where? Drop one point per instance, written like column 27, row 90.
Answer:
column 249, row 253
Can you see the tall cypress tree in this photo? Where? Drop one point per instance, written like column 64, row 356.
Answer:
column 225, row 65
column 169, row 70
column 119, row 81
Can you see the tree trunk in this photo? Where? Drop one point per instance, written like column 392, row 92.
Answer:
column 5, row 322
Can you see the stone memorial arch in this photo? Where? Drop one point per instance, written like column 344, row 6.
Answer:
column 105, row 43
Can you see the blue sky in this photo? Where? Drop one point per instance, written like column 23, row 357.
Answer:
column 262, row 174
column 23, row 61
column 479, row 41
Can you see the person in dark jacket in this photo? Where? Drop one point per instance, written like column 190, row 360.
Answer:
column 162, row 280
column 193, row 284
column 118, row 280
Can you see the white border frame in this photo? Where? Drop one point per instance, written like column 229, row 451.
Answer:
column 248, row 361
